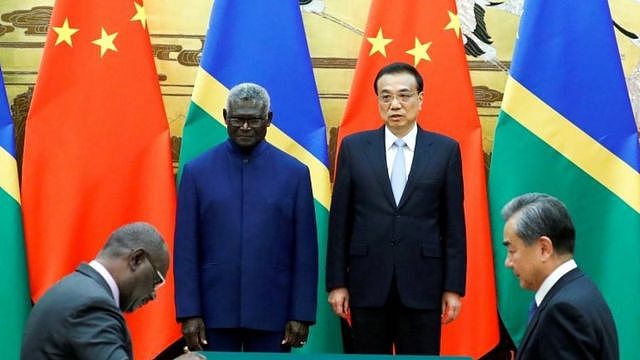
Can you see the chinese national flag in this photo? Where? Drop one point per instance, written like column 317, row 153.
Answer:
column 97, row 151
column 427, row 35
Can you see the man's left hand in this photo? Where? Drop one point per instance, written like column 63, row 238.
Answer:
column 451, row 305
column 295, row 334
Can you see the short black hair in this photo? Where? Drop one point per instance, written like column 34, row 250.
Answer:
column 399, row 68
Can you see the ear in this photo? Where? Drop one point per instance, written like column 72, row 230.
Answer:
column 546, row 247
column 420, row 97
column 136, row 258
column 224, row 115
column 269, row 118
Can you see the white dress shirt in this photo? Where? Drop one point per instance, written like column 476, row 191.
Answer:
column 409, row 149
column 553, row 278
column 108, row 278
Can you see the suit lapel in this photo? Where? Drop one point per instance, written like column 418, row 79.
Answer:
column 565, row 279
column 421, row 155
column 377, row 157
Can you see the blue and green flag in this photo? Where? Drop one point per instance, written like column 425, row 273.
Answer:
column 264, row 42
column 566, row 128
column 14, row 286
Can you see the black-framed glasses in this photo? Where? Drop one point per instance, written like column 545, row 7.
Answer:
column 403, row 97
column 158, row 279
column 251, row 121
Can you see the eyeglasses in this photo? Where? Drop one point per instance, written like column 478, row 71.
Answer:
column 403, row 97
column 158, row 279
column 251, row 121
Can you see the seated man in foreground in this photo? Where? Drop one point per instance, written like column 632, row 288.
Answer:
column 80, row 317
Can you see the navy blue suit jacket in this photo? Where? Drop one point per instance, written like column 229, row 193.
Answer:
column 77, row 318
column 246, row 247
column 572, row 322
column 422, row 239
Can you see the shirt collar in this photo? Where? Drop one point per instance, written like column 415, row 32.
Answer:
column 409, row 139
column 553, row 278
column 108, row 278
column 257, row 149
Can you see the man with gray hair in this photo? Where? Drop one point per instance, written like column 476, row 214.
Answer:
column 568, row 317
column 80, row 317
column 246, row 256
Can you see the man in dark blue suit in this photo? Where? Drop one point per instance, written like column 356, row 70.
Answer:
column 80, row 317
column 569, row 318
column 246, row 256
column 396, row 258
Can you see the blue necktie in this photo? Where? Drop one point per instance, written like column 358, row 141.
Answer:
column 398, row 172
column 533, row 307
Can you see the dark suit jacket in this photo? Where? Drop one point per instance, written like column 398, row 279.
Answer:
column 422, row 240
column 246, row 252
column 77, row 318
column 572, row 322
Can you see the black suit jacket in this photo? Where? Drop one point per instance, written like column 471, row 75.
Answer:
column 77, row 318
column 572, row 322
column 422, row 240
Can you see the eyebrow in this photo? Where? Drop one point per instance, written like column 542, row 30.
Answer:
column 399, row 91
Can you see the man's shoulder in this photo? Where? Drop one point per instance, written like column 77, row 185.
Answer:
column 208, row 155
column 437, row 138
column 362, row 136
column 577, row 289
column 79, row 288
column 284, row 159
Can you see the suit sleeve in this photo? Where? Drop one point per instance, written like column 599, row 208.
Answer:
column 186, row 260
column 567, row 334
column 304, row 289
column 453, row 226
column 98, row 332
column 339, row 222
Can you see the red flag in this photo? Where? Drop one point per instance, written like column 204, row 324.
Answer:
column 427, row 35
column 97, row 151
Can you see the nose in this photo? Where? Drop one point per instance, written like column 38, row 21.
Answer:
column 395, row 102
column 507, row 261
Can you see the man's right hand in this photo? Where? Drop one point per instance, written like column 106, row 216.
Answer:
column 194, row 333
column 339, row 300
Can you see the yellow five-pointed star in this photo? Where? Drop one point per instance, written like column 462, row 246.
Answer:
column 140, row 15
column 64, row 33
column 105, row 42
column 454, row 23
column 419, row 52
column 378, row 44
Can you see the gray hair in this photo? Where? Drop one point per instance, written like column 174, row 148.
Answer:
column 137, row 235
column 542, row 215
column 249, row 92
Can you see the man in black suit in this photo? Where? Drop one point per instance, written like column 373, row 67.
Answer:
column 396, row 258
column 80, row 317
column 569, row 318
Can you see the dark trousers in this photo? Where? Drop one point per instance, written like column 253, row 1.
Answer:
column 248, row 340
column 412, row 331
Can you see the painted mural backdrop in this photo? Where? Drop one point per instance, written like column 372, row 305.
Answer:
column 334, row 30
